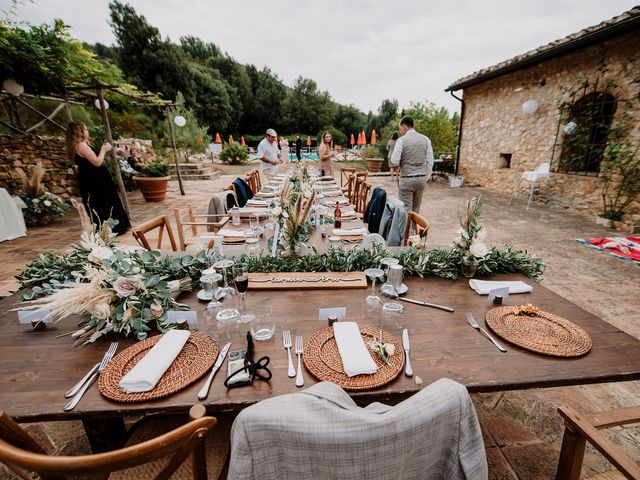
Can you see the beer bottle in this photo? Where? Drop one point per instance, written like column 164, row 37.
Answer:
column 338, row 216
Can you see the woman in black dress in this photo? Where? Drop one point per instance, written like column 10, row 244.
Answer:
column 99, row 194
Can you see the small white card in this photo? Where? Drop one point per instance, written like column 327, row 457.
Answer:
column 503, row 292
column 189, row 315
column 28, row 316
column 325, row 313
column 274, row 244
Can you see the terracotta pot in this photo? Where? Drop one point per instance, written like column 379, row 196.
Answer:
column 154, row 189
column 374, row 164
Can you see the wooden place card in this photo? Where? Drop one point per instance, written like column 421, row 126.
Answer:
column 306, row 280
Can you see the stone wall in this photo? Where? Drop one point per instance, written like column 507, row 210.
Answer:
column 20, row 152
column 495, row 125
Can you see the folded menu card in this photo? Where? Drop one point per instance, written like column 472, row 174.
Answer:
column 356, row 359
column 147, row 372
column 354, row 231
column 483, row 287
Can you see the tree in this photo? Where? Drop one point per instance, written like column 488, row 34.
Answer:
column 306, row 109
column 349, row 120
column 266, row 106
column 197, row 50
column 192, row 137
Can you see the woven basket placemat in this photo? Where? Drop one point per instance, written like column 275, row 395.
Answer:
column 544, row 333
column 195, row 359
column 322, row 359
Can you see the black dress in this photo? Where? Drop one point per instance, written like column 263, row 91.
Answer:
column 99, row 195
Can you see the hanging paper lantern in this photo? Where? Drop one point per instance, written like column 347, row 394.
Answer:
column 218, row 138
column 180, row 121
column 530, row 106
column 10, row 85
column 570, row 127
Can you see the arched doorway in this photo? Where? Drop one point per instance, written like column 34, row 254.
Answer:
column 583, row 146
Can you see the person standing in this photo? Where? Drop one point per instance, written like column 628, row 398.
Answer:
column 413, row 153
column 99, row 194
column 395, row 171
column 268, row 154
column 298, row 147
column 325, row 165
column 284, row 150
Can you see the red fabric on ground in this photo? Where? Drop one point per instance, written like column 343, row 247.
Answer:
column 634, row 250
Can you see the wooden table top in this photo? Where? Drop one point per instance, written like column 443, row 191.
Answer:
column 36, row 368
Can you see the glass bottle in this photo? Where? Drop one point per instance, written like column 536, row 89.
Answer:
column 338, row 216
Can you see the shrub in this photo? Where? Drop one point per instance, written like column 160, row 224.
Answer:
column 157, row 168
column 371, row 151
column 234, row 154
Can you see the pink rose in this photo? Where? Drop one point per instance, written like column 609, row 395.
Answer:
column 125, row 287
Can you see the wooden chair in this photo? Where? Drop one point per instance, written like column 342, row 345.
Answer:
column 161, row 223
column 363, row 197
column 253, row 179
column 157, row 458
column 579, row 428
column 185, row 238
column 418, row 224
column 347, row 189
column 345, row 174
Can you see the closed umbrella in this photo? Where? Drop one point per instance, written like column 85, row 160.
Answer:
column 218, row 138
column 242, row 141
column 373, row 137
column 351, row 141
column 364, row 138
column 230, row 139
column 308, row 141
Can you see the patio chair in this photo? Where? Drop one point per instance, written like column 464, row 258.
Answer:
column 346, row 190
column 160, row 223
column 345, row 173
column 186, row 237
column 163, row 456
column 579, row 428
column 533, row 176
column 363, row 198
column 417, row 224
column 320, row 432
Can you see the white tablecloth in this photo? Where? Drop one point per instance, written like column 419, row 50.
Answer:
column 11, row 220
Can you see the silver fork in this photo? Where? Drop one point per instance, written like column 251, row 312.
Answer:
column 474, row 324
column 70, row 393
column 103, row 364
column 299, row 350
column 286, row 340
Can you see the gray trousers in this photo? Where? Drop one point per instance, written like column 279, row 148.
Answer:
column 410, row 192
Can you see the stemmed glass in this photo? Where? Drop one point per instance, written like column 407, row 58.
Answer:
column 373, row 303
column 241, row 280
column 385, row 263
column 224, row 264
column 213, row 279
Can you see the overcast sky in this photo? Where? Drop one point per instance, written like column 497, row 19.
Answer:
column 360, row 51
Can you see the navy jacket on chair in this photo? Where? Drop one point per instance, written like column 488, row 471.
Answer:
column 243, row 191
column 375, row 209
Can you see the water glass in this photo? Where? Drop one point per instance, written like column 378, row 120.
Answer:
column 394, row 276
column 252, row 247
column 262, row 326
column 393, row 316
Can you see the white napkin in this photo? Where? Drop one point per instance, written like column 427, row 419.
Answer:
column 483, row 287
column 332, row 201
column 356, row 359
column 353, row 231
column 148, row 371
column 257, row 203
column 265, row 194
column 332, row 193
column 226, row 232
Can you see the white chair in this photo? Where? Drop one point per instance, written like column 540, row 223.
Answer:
column 321, row 433
column 533, row 176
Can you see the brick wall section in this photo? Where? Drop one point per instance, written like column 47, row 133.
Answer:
column 494, row 123
column 23, row 151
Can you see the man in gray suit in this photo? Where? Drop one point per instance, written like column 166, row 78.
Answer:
column 414, row 154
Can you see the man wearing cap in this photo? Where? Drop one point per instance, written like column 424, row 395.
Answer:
column 414, row 154
column 268, row 154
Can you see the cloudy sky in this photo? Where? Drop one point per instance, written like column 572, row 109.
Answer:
column 360, row 51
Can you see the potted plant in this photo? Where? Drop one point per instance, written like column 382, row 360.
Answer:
column 620, row 174
column 372, row 156
column 153, row 181
column 41, row 207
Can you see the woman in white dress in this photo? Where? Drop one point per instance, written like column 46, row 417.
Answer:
column 284, row 150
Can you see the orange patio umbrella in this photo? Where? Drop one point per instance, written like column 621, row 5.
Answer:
column 373, row 137
column 230, row 139
column 364, row 138
column 242, row 141
column 351, row 141
column 359, row 138
column 218, row 138
column 308, row 141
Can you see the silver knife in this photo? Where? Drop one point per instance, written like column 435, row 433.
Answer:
column 204, row 391
column 446, row 308
column 408, row 371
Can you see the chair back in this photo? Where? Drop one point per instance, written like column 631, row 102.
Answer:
column 348, row 188
column 363, row 197
column 416, row 223
column 432, row 435
column 22, row 454
column 345, row 173
column 193, row 221
column 160, row 224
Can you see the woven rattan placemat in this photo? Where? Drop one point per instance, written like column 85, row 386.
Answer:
column 322, row 359
column 195, row 359
column 544, row 333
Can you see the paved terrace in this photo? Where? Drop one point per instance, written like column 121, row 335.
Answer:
column 522, row 429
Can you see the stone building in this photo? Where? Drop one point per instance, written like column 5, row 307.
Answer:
column 581, row 93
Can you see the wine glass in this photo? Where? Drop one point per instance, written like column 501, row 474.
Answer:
column 213, row 279
column 373, row 303
column 241, row 280
column 224, row 264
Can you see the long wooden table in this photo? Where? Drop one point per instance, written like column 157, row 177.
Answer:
column 36, row 368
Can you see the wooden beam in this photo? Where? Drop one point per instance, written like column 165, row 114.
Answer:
column 15, row 129
column 112, row 153
column 45, row 118
column 175, row 150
